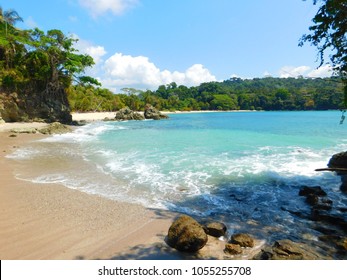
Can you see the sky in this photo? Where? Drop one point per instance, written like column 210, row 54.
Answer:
column 146, row 43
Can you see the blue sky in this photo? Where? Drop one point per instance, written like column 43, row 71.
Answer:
column 146, row 43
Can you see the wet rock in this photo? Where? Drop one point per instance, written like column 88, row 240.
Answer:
column 317, row 191
column 55, row 128
column 339, row 161
column 216, row 229
column 233, row 249
column 153, row 113
column 333, row 220
column 319, row 202
column 242, row 239
column 125, row 114
column 186, row 234
column 338, row 241
column 288, row 250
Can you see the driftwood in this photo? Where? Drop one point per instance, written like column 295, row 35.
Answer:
column 332, row 169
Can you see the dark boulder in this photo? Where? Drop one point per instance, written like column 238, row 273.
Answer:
column 216, row 229
column 318, row 191
column 339, row 163
column 125, row 114
column 186, row 234
column 153, row 113
column 243, row 239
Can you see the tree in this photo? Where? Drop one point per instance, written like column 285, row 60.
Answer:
column 329, row 33
column 9, row 17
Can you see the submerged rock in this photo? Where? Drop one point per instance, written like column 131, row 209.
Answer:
column 242, row 239
column 125, row 114
column 216, row 229
column 318, row 191
column 153, row 113
column 288, row 250
column 186, row 234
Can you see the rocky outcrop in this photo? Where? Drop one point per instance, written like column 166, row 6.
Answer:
column 242, row 239
column 215, row 229
column 125, row 114
column 186, row 234
column 288, row 250
column 153, row 113
column 24, row 107
column 338, row 163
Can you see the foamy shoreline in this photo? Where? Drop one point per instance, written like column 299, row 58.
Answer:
column 52, row 222
column 49, row 221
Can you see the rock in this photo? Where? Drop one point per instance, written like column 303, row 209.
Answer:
column 153, row 113
column 216, row 229
column 319, row 202
column 186, row 234
column 233, row 249
column 338, row 241
column 243, row 239
column 28, row 130
column 288, row 250
column 55, row 128
column 125, row 114
column 318, row 191
column 339, row 160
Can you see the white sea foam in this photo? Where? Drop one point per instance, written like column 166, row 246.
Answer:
column 24, row 153
column 86, row 133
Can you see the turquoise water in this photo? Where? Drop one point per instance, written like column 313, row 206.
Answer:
column 242, row 167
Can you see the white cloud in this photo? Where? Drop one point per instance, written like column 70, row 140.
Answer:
column 290, row 71
column 306, row 71
column 323, row 71
column 126, row 70
column 99, row 7
column 86, row 47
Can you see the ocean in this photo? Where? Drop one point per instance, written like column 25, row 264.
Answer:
column 241, row 168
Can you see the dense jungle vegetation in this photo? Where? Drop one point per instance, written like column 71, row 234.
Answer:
column 233, row 94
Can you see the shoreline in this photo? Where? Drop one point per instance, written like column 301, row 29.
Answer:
column 50, row 221
column 53, row 222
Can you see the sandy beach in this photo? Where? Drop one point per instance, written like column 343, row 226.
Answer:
column 46, row 221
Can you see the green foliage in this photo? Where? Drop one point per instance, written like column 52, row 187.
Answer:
column 329, row 33
column 233, row 94
column 34, row 61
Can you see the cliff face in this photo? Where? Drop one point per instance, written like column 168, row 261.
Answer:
column 21, row 107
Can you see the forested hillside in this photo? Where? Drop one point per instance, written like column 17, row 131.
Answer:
column 234, row 94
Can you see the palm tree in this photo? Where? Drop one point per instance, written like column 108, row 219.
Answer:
column 10, row 17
